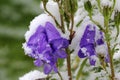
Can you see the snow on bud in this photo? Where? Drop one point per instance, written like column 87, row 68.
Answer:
column 108, row 3
column 53, row 8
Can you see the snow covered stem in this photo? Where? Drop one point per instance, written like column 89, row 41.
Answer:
column 107, row 35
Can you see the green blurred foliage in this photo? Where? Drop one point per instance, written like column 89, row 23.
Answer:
column 15, row 17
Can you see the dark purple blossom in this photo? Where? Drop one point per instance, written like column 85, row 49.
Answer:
column 89, row 42
column 47, row 46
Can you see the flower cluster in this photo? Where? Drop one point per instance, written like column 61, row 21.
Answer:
column 47, row 46
column 91, row 43
column 68, row 28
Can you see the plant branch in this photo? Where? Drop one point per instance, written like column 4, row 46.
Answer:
column 106, row 22
column 53, row 17
column 60, row 75
column 61, row 16
column 69, row 64
column 71, row 30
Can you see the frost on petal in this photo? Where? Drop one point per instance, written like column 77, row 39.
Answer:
column 100, row 41
column 51, row 32
column 61, row 53
column 81, row 54
column 36, row 22
column 59, row 43
column 92, row 43
column 37, row 43
column 46, row 45
column 92, row 61
column 35, row 37
column 88, row 36
column 55, row 68
column 38, row 62
column 90, row 50
column 99, row 38
column 50, row 58
column 47, row 68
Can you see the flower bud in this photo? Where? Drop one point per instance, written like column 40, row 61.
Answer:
column 117, row 22
column 70, row 6
column 74, row 6
column 117, row 18
column 106, row 11
column 88, row 7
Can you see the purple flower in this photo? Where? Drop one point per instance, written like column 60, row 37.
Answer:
column 91, row 39
column 47, row 46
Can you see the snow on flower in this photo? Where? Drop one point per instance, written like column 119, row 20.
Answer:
column 33, row 75
column 39, row 20
column 90, row 44
column 45, row 44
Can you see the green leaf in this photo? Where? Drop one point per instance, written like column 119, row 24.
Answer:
column 117, row 22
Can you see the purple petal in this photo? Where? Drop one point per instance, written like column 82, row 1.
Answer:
column 38, row 62
column 60, row 43
column 33, row 39
column 90, row 50
column 55, row 68
column 107, row 59
column 92, row 62
column 50, row 57
column 88, row 36
column 42, row 43
column 51, row 32
column 47, row 68
column 61, row 53
column 81, row 54
column 100, row 42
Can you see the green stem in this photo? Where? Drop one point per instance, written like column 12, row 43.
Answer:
column 71, row 30
column 60, row 75
column 61, row 16
column 98, row 2
column 61, row 27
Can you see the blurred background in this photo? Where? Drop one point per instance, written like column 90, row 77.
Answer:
column 15, row 17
